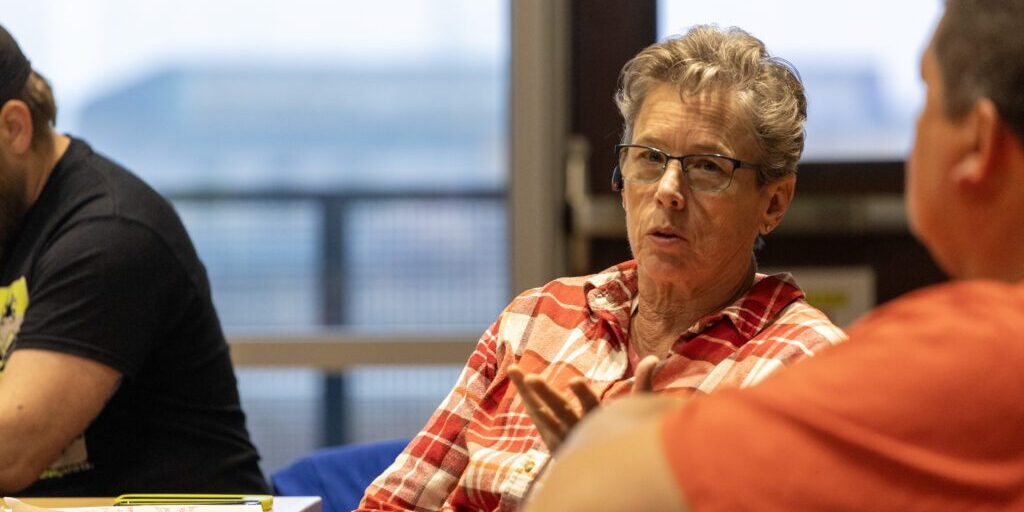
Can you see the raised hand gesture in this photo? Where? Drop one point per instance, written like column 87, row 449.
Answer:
column 554, row 414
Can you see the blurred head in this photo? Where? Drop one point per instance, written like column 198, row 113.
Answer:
column 710, row 91
column 38, row 99
column 27, row 115
column 980, row 54
column 19, row 82
column 973, row 71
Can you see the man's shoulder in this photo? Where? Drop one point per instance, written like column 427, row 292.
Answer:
column 108, row 187
column 953, row 303
column 90, row 188
column 89, row 198
column 958, row 317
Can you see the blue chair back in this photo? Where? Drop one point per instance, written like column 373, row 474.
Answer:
column 339, row 475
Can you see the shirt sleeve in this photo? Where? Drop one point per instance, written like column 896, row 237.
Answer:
column 918, row 411
column 106, row 290
column 426, row 472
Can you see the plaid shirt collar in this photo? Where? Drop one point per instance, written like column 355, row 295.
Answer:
column 611, row 296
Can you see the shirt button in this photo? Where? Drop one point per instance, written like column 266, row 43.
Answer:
column 529, row 465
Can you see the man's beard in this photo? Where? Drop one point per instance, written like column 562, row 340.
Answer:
column 12, row 206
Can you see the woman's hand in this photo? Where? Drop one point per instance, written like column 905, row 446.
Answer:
column 554, row 414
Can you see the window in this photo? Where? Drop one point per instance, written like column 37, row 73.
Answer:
column 338, row 164
column 858, row 60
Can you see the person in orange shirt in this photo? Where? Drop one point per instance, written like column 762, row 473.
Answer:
column 920, row 409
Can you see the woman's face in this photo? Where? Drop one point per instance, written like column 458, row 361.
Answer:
column 698, row 240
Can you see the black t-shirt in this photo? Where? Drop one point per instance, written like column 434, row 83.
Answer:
column 102, row 268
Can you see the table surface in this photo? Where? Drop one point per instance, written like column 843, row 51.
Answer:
column 68, row 502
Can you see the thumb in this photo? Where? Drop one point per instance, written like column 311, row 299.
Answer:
column 643, row 379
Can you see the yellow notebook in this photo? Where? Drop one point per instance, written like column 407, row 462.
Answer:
column 264, row 500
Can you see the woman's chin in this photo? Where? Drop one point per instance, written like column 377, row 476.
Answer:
column 663, row 267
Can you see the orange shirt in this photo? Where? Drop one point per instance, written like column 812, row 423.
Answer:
column 922, row 409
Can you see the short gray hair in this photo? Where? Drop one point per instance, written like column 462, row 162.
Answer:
column 729, row 60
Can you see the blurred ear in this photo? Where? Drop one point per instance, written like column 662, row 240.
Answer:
column 16, row 127
column 984, row 134
column 778, row 194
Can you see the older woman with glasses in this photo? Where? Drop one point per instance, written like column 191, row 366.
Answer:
column 713, row 131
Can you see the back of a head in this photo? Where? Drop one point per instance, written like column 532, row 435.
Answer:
column 709, row 58
column 980, row 52
column 18, row 81
column 14, row 67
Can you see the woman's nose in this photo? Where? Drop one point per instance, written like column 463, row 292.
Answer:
column 671, row 186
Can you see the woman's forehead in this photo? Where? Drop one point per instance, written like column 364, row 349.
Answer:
column 673, row 117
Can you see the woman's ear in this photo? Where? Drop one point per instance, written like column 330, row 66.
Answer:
column 778, row 194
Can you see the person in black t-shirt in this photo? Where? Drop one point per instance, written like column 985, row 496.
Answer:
column 116, row 377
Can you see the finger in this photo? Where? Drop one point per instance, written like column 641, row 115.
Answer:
column 643, row 380
column 516, row 375
column 588, row 400
column 551, row 431
column 549, row 428
column 555, row 402
column 530, row 399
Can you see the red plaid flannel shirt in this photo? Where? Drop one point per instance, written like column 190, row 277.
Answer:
column 480, row 450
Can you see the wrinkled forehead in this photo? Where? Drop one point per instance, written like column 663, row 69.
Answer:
column 664, row 96
column 713, row 116
column 720, row 108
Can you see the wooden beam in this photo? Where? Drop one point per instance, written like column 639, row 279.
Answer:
column 336, row 352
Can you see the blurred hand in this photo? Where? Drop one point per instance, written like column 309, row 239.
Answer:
column 613, row 461
column 554, row 414
column 619, row 417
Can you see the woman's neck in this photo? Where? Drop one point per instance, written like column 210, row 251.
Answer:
column 664, row 311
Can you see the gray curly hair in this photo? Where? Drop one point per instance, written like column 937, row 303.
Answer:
column 709, row 58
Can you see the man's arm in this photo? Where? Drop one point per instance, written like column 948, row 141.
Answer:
column 47, row 399
column 614, row 461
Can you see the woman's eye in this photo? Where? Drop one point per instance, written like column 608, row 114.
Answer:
column 707, row 165
column 652, row 157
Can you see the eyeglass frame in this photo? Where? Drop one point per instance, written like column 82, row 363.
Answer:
column 618, row 180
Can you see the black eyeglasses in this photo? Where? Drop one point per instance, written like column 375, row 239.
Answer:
column 705, row 172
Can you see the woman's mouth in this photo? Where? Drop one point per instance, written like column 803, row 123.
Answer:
column 665, row 235
column 666, row 232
